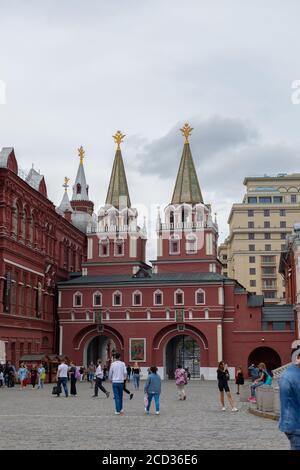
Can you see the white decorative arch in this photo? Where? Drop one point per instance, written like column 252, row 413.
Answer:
column 199, row 291
column 76, row 296
column 176, row 293
column 137, row 292
column 158, row 291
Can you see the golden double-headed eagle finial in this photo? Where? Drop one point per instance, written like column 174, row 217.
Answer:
column 81, row 154
column 118, row 138
column 186, row 132
column 66, row 185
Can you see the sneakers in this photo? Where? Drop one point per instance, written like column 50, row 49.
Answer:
column 223, row 409
column 252, row 399
column 157, row 412
column 122, row 411
column 131, row 396
column 117, row 413
column 234, row 409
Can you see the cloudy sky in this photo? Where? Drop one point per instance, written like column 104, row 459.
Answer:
column 77, row 71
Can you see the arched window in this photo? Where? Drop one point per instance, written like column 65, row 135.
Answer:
column 200, row 297
column 77, row 299
column 97, row 299
column 104, row 247
column 78, row 188
column 174, row 245
column 179, row 297
column 191, row 244
column 117, row 299
column 119, row 247
column 158, row 297
column 137, row 298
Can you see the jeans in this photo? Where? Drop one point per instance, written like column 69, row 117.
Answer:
column 118, row 395
column 254, row 386
column 62, row 381
column 136, row 380
column 294, row 440
column 156, row 399
column 41, row 383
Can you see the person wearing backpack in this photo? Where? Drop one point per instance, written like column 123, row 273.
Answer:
column 181, row 381
column 263, row 379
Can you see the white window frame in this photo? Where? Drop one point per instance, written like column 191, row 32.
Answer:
column 102, row 242
column 178, row 291
column 137, row 292
column 118, row 242
column 196, row 297
column 154, row 297
column 74, row 297
column 94, row 295
column 188, row 240
column 172, row 239
column 117, row 292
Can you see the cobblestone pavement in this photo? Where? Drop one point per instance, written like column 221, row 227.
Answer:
column 35, row 419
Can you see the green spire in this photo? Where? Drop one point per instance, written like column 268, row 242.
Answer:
column 117, row 194
column 187, row 189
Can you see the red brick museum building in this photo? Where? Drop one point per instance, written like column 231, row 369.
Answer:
column 79, row 285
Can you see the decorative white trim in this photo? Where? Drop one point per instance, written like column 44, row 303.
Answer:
column 186, row 329
column 116, row 292
column 191, row 238
column 23, row 267
column 137, row 292
column 90, row 248
column 196, row 295
column 61, row 330
column 59, row 298
column 119, row 242
column 178, row 291
column 74, row 302
column 94, row 295
column 103, row 242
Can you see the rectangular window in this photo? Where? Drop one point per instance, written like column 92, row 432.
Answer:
column 268, row 248
column 78, row 300
column 267, row 224
column 97, row 299
column 293, row 198
column 268, row 259
column 179, row 299
column 250, row 213
column 250, row 224
column 279, row 325
column 265, row 200
column 266, row 213
column 137, row 299
column 117, row 299
column 268, row 270
column 283, row 236
column 269, row 294
column 251, row 247
column 252, row 271
column 251, row 236
column 251, row 259
column 282, row 212
column 252, row 200
column 282, row 224
column 158, row 299
column 277, row 199
column 267, row 236
column 253, row 283
column 200, row 298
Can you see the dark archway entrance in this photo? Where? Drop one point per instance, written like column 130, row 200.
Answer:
column 267, row 355
column 184, row 350
column 101, row 347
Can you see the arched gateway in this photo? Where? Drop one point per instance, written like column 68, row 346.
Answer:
column 183, row 350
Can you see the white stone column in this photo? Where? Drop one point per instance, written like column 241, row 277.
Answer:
column 60, row 340
column 220, row 342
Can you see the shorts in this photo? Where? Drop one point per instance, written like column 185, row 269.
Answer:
column 223, row 386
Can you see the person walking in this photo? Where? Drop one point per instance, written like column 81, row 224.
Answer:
column 128, row 368
column 117, row 375
column 181, row 381
column 73, row 379
column 99, row 379
column 81, row 370
column 136, row 373
column 263, row 379
column 223, row 377
column 91, row 374
column 62, row 378
column 152, row 389
column 239, row 379
column 126, row 389
column 33, row 375
column 289, row 392
column 22, row 374
column 41, row 375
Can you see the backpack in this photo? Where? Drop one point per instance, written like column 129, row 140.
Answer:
column 268, row 379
